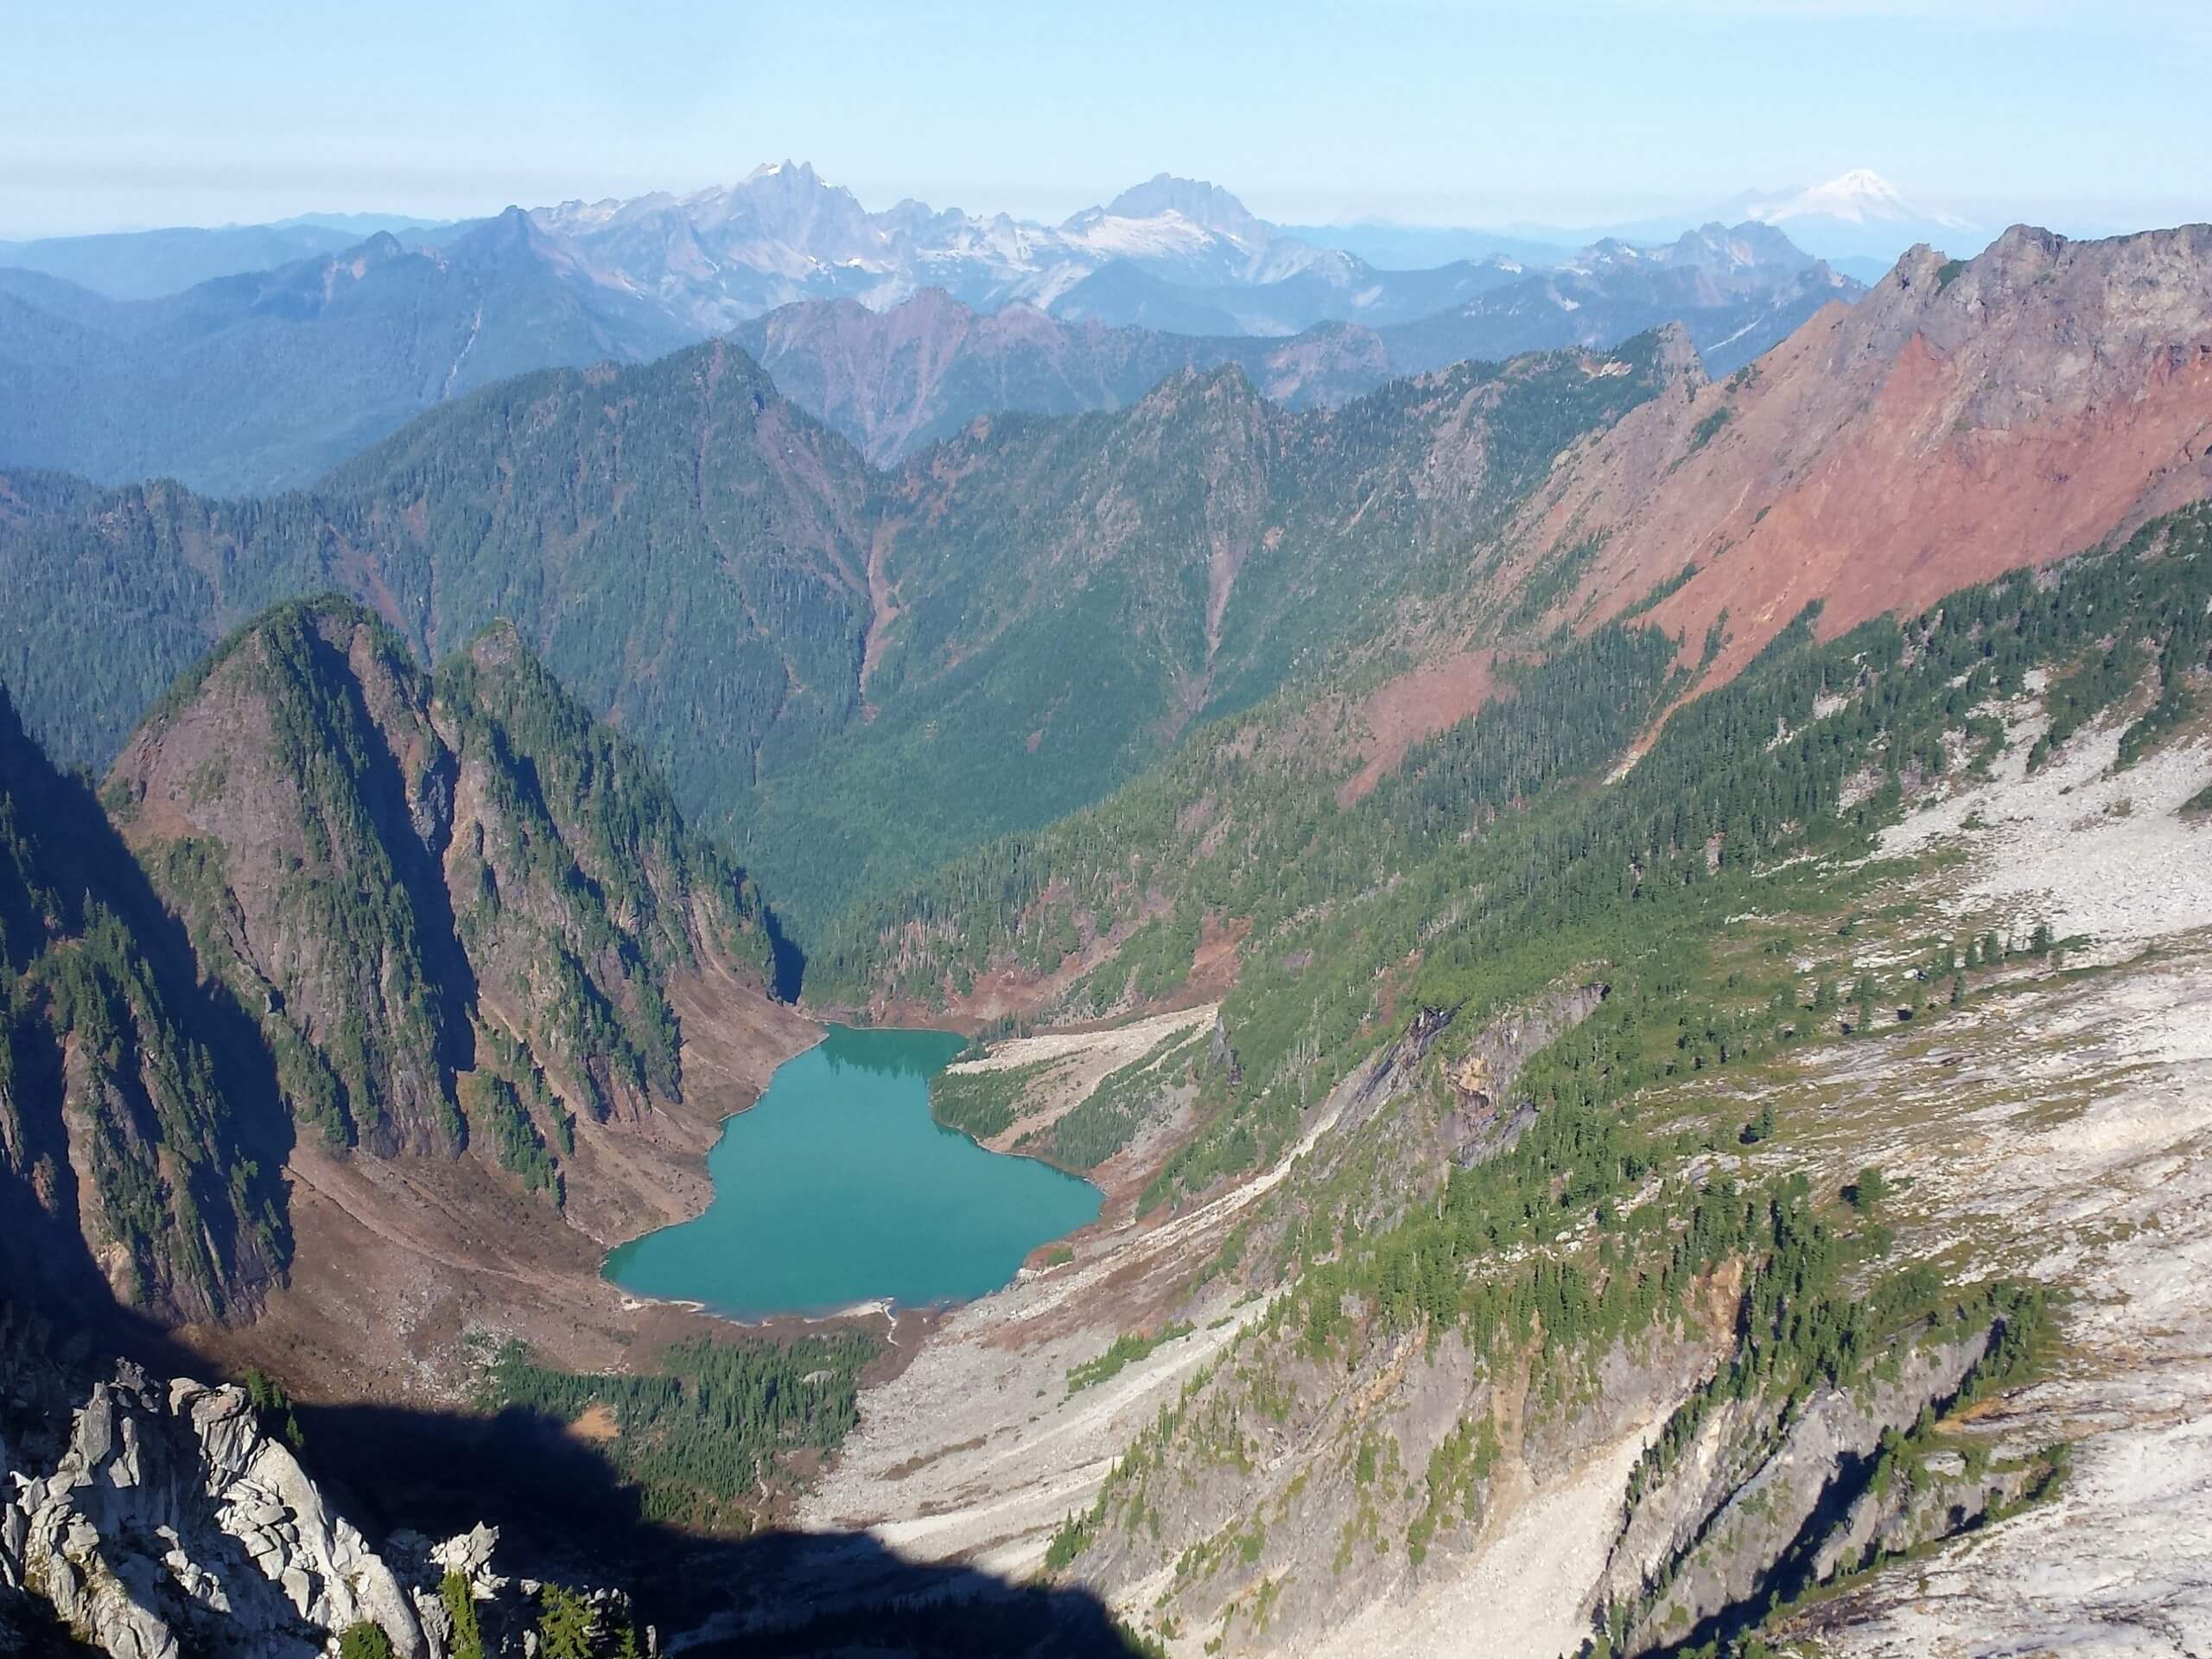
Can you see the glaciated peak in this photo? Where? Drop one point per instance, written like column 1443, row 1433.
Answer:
column 1859, row 197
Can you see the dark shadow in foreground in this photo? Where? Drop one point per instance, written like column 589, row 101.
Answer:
column 562, row 1514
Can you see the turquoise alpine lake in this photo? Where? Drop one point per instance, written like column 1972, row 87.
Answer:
column 839, row 1187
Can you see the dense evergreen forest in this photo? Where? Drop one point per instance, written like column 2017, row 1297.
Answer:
column 851, row 676
column 708, row 1436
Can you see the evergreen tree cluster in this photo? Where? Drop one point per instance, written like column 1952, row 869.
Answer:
column 705, row 1436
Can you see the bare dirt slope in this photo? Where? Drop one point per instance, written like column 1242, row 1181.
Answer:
column 409, row 1272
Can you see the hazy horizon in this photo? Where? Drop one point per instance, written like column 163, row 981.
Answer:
column 1599, row 112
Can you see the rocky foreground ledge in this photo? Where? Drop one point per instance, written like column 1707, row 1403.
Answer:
column 157, row 1518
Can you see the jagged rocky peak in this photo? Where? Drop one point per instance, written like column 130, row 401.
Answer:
column 2057, row 322
column 1674, row 357
column 2161, row 275
column 789, row 200
column 381, row 246
column 153, row 1517
column 1750, row 243
column 157, row 1519
column 1216, row 401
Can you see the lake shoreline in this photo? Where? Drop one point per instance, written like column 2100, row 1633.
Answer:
column 839, row 1198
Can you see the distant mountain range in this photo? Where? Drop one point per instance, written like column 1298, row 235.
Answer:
column 894, row 381
column 1859, row 221
column 1173, row 253
column 259, row 381
column 147, row 264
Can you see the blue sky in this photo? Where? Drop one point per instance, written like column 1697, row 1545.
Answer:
column 1431, row 110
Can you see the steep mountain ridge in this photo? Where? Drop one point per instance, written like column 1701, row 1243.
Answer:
column 137, row 1158
column 1738, row 291
column 898, row 380
column 495, row 507
column 147, row 264
column 1060, row 599
column 1966, row 418
column 456, row 940
column 264, row 380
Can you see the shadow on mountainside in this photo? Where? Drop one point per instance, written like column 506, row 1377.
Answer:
column 788, row 960
column 90, row 858
column 562, row 1514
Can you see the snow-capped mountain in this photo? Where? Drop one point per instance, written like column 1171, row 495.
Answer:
column 1859, row 214
column 782, row 233
column 1175, row 254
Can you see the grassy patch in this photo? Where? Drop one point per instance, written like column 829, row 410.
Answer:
column 1709, row 429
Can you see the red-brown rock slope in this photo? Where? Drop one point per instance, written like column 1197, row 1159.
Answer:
column 1965, row 418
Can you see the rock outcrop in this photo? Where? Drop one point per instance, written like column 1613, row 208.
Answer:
column 167, row 1523
column 147, row 1517
column 1767, row 1490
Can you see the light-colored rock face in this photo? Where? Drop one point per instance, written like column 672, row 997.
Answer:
column 171, row 1525
column 155, row 1520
